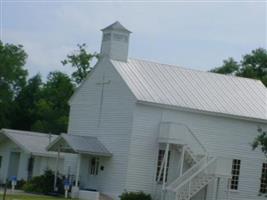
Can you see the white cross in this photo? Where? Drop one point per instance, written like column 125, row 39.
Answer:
column 103, row 83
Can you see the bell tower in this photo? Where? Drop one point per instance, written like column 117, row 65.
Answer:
column 115, row 42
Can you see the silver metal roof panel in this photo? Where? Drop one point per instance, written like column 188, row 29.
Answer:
column 187, row 88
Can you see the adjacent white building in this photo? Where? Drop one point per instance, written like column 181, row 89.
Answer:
column 23, row 154
column 173, row 132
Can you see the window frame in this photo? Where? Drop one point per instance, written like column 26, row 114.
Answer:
column 94, row 167
column 236, row 168
column 161, row 153
column 263, row 184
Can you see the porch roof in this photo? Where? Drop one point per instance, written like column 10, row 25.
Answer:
column 31, row 142
column 79, row 144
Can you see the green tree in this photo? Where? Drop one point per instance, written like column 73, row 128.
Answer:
column 52, row 108
column 81, row 60
column 230, row 66
column 12, row 79
column 25, row 104
column 252, row 65
column 260, row 141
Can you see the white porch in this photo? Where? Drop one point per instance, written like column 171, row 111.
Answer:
column 20, row 157
column 89, row 151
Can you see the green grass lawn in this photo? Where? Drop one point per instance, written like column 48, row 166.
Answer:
column 29, row 197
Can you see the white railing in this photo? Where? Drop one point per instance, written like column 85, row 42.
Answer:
column 196, row 138
column 173, row 132
column 197, row 181
column 191, row 154
column 187, row 174
column 203, row 169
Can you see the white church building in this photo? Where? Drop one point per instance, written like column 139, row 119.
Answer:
column 172, row 132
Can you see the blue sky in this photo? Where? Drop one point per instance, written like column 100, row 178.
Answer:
column 194, row 34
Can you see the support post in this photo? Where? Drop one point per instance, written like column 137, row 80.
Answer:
column 228, row 187
column 189, row 189
column 75, row 188
column 161, row 168
column 215, row 188
column 5, row 188
column 56, row 170
column 182, row 161
column 78, row 170
column 165, row 165
column 218, row 187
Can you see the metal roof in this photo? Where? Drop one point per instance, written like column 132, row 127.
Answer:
column 31, row 142
column 79, row 144
column 116, row 26
column 197, row 90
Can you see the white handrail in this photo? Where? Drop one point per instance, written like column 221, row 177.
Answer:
column 194, row 136
column 195, row 174
column 187, row 174
column 191, row 132
column 196, row 169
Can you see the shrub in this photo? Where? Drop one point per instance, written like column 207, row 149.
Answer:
column 19, row 185
column 135, row 196
column 43, row 184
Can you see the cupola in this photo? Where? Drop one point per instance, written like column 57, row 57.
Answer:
column 115, row 42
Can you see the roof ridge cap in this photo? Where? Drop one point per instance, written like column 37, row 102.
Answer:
column 23, row 132
column 27, row 133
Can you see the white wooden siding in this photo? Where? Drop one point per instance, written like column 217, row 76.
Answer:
column 70, row 162
column 115, row 128
column 41, row 164
column 221, row 136
column 5, row 148
column 143, row 151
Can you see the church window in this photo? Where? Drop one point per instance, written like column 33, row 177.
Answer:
column 119, row 37
column 235, row 174
column 94, row 165
column 263, row 186
column 106, row 36
column 160, row 160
